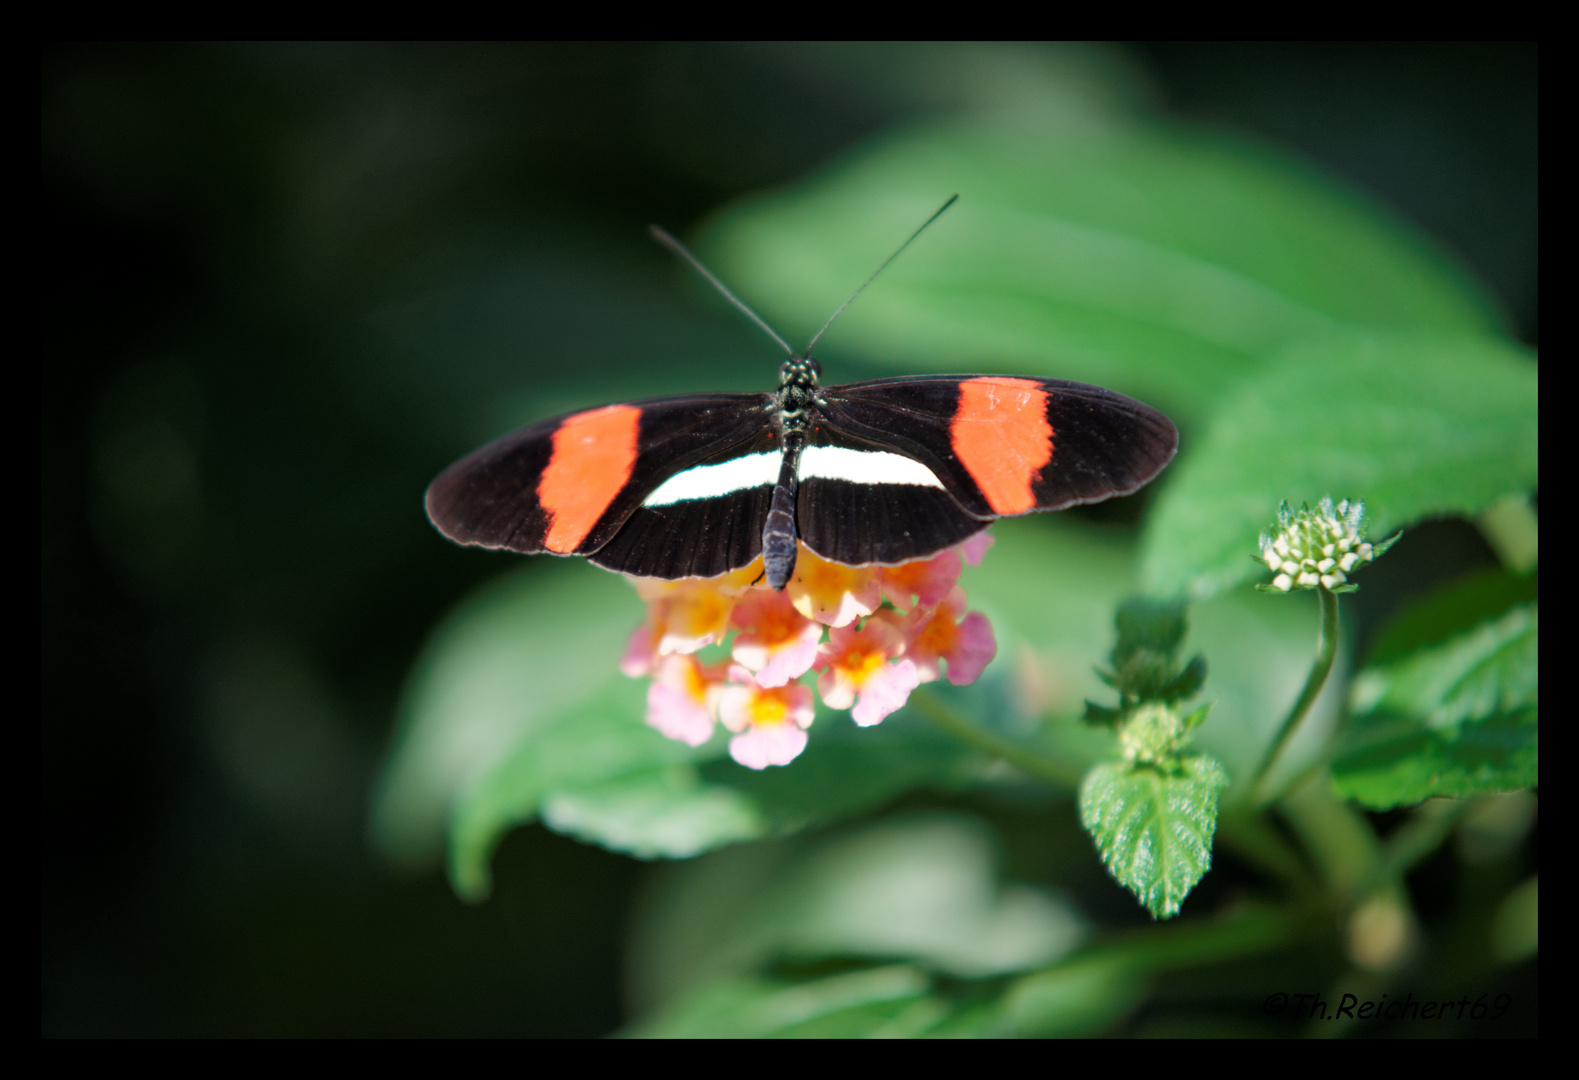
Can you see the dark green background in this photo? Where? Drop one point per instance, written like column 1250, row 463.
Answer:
column 284, row 285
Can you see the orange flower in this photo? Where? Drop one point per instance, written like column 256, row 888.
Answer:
column 933, row 636
column 832, row 593
column 927, row 580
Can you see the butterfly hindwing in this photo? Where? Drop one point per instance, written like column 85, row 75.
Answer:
column 863, row 502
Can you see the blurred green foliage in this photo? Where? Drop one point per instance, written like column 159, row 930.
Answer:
column 290, row 283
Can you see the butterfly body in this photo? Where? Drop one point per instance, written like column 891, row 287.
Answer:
column 877, row 472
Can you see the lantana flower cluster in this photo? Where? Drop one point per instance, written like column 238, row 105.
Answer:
column 1318, row 547
column 888, row 630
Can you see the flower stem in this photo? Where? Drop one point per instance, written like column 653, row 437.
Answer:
column 1028, row 761
column 1326, row 651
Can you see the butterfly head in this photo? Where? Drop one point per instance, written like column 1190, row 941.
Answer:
column 800, row 371
column 797, row 385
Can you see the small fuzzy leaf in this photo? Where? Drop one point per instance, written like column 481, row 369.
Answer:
column 1101, row 714
column 1154, row 828
column 1148, row 625
column 1189, row 682
column 1144, row 657
column 1198, row 717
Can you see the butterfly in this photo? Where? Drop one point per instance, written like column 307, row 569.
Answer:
column 878, row 472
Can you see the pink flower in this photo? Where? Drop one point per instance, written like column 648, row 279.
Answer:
column 639, row 652
column 776, row 642
column 874, row 657
column 855, row 670
column 770, row 722
column 683, row 698
column 928, row 580
column 934, row 636
column 975, row 549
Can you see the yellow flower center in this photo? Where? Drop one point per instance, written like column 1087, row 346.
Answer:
column 860, row 664
column 768, row 707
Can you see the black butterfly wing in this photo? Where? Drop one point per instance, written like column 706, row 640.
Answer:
column 570, row 485
column 1071, row 442
column 992, row 446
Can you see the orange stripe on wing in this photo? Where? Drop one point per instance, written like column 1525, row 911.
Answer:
column 594, row 453
column 1001, row 435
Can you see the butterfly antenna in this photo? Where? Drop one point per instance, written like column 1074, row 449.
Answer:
column 937, row 214
column 681, row 250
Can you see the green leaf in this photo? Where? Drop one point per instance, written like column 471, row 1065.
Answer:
column 1450, row 611
column 1455, row 718
column 603, row 749
column 506, row 664
column 1154, row 828
column 852, row 1005
column 922, row 888
column 602, row 775
column 1164, row 263
column 1493, row 668
column 657, row 813
column 1414, row 425
column 1081, row 997
column 1402, row 763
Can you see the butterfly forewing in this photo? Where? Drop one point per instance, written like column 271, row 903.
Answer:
column 703, row 520
column 569, row 484
column 1002, row 445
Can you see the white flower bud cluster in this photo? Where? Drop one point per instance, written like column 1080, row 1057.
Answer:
column 1319, row 547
